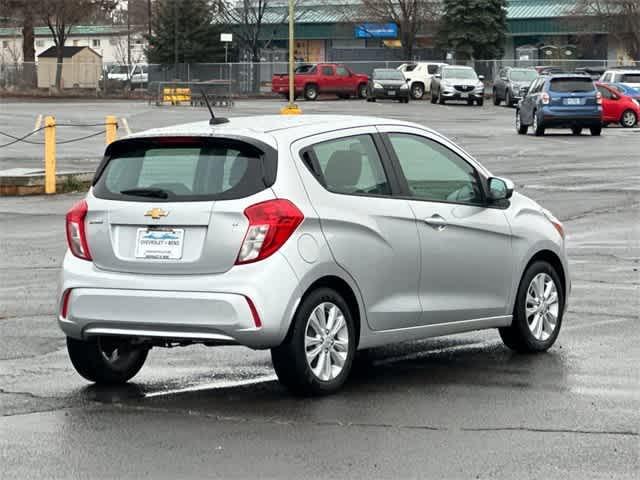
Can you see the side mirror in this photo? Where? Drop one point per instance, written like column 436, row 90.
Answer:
column 407, row 80
column 480, row 77
column 500, row 188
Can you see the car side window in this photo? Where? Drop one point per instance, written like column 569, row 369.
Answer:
column 327, row 71
column 432, row 69
column 351, row 165
column 435, row 173
column 605, row 93
column 342, row 72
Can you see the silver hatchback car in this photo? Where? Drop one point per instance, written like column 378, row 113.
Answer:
column 313, row 236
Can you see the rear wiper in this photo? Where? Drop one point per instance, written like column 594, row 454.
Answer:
column 147, row 192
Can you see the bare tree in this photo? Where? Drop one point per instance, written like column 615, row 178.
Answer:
column 621, row 17
column 23, row 11
column 409, row 15
column 61, row 15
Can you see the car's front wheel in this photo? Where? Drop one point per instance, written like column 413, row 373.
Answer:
column 538, row 126
column 317, row 355
column 537, row 314
column 108, row 360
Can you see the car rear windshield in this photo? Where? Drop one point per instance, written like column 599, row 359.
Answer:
column 629, row 78
column 523, row 75
column 183, row 169
column 572, row 85
column 387, row 75
column 305, row 69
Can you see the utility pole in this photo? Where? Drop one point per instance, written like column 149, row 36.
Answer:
column 129, row 34
column 175, row 36
column 291, row 108
column 149, row 16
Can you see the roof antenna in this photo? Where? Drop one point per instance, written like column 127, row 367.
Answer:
column 214, row 120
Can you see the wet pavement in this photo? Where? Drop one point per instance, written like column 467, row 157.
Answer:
column 454, row 407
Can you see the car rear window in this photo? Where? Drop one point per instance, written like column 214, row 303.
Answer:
column 629, row 78
column 182, row 169
column 571, row 85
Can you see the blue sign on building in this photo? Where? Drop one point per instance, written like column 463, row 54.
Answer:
column 377, row 30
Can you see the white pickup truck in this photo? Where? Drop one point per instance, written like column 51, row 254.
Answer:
column 137, row 74
column 419, row 75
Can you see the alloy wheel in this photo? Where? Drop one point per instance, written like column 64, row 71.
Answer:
column 326, row 341
column 542, row 306
column 629, row 119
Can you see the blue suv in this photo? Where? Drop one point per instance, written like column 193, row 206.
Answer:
column 560, row 101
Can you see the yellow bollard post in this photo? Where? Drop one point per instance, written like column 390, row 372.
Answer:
column 111, row 124
column 50, row 155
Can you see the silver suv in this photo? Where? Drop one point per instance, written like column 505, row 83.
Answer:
column 312, row 236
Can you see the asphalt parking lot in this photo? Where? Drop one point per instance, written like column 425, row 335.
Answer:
column 454, row 407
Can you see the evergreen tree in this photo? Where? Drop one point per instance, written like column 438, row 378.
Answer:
column 474, row 28
column 183, row 32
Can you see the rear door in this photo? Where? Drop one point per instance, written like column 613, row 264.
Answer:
column 327, row 80
column 344, row 81
column 175, row 205
column 371, row 233
column 573, row 94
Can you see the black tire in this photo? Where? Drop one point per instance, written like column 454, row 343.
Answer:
column 417, row 91
column 538, row 127
column 480, row 102
column 508, row 101
column 520, row 127
column 290, row 358
column 628, row 119
column 496, row 99
column 373, row 99
column 362, row 90
column 87, row 357
column 470, row 102
column 576, row 130
column 311, row 92
column 595, row 131
column 518, row 336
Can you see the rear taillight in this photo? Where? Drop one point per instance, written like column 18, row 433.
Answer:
column 271, row 223
column 76, row 234
column 545, row 98
column 599, row 98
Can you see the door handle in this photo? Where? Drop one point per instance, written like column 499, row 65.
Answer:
column 437, row 222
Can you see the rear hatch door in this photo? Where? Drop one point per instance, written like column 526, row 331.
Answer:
column 175, row 205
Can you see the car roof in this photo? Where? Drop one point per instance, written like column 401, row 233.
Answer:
column 458, row 66
column 270, row 128
column 567, row 75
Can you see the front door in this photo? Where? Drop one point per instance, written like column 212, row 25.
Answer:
column 466, row 260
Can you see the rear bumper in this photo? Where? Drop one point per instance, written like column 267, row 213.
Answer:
column 201, row 308
column 554, row 117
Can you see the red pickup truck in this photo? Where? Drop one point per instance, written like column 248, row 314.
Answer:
column 313, row 80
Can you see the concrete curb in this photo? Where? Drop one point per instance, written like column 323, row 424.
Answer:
column 28, row 181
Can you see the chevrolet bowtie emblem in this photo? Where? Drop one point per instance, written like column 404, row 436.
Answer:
column 156, row 213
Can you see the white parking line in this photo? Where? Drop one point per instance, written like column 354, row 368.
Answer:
column 213, row 386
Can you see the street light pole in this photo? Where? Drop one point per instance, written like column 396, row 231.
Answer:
column 291, row 108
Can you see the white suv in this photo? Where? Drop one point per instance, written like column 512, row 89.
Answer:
column 630, row 77
column 419, row 76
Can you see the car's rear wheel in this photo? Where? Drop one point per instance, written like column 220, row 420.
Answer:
column 362, row 90
column 496, row 99
column 417, row 91
column 538, row 126
column 576, row 130
column 595, row 131
column 108, row 360
column 628, row 119
column 537, row 314
column 311, row 92
column 317, row 355
column 520, row 127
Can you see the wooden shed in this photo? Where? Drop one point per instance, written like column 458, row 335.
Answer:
column 81, row 68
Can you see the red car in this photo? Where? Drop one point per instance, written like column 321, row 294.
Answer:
column 617, row 107
column 313, row 80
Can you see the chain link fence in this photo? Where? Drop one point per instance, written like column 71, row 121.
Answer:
column 238, row 79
